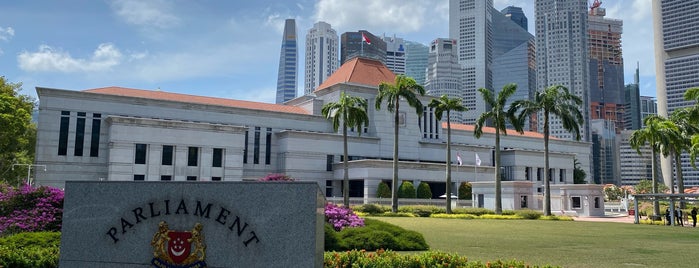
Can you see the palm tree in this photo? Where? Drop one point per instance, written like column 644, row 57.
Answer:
column 402, row 88
column 680, row 141
column 499, row 118
column 348, row 111
column 653, row 134
column 554, row 100
column 441, row 105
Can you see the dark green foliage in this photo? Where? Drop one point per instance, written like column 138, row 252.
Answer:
column 529, row 214
column 578, row 173
column 422, row 210
column 374, row 235
column 465, row 191
column 383, row 191
column 424, row 191
column 473, row 211
column 371, row 209
column 406, row 190
column 39, row 249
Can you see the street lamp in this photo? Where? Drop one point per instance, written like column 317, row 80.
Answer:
column 29, row 170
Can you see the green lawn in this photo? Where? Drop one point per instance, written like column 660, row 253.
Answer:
column 567, row 244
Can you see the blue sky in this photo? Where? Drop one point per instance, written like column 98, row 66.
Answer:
column 226, row 49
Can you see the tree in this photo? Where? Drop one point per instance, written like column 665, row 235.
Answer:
column 348, row 111
column 645, row 186
column 465, row 191
column 402, row 88
column 17, row 132
column 499, row 118
column 613, row 193
column 652, row 134
column 554, row 100
column 424, row 191
column 406, row 190
column 383, row 191
column 578, row 173
column 440, row 106
column 680, row 142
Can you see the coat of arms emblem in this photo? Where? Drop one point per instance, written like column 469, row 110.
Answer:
column 178, row 249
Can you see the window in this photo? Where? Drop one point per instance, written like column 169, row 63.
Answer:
column 575, row 202
column 528, row 173
column 539, row 174
column 139, row 177
column 551, row 173
column 218, row 158
column 191, row 178
column 597, row 205
column 193, row 157
column 268, row 146
column 95, row 136
column 215, row 178
column 166, row 178
column 63, row 133
column 140, row 157
column 79, row 135
column 245, row 149
column 523, row 201
column 562, row 175
column 166, row 158
column 256, row 147
column 329, row 159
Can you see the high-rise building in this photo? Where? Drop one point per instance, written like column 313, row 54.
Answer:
column 416, row 55
column 605, row 152
column 562, row 55
column 395, row 54
column 470, row 24
column 513, row 57
column 516, row 15
column 362, row 43
column 633, row 167
column 606, row 67
column 444, row 72
column 632, row 109
column 676, row 42
column 648, row 107
column 288, row 64
column 322, row 50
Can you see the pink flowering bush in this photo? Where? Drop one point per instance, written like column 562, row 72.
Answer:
column 341, row 217
column 29, row 209
column 276, row 177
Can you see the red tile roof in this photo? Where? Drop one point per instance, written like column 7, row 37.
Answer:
column 169, row 96
column 491, row 130
column 361, row 71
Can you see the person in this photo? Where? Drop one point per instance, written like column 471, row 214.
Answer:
column 694, row 217
column 667, row 217
column 679, row 217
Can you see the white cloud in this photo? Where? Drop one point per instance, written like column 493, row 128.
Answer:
column 48, row 59
column 6, row 33
column 145, row 13
column 388, row 15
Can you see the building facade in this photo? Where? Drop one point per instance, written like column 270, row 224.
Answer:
column 632, row 109
column 470, row 24
column 322, row 55
column 605, row 152
column 288, row 64
column 562, row 55
column 633, row 166
column 395, row 54
column 517, row 16
column 121, row 134
column 676, row 43
column 444, row 73
column 352, row 45
column 416, row 56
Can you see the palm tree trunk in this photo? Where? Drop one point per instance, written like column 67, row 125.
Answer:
column 654, row 167
column 547, row 186
column 498, row 183
column 448, row 188
column 680, row 178
column 345, row 178
column 394, row 181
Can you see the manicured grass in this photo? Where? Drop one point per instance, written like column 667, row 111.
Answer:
column 563, row 243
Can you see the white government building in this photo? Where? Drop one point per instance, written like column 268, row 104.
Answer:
column 122, row 134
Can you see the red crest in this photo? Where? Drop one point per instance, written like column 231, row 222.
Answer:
column 179, row 247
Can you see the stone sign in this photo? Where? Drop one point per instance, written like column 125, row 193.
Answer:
column 192, row 224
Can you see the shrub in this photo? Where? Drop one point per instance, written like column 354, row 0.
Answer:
column 332, row 239
column 424, row 191
column 500, row 217
column 406, row 190
column 529, row 214
column 454, row 216
column 422, row 210
column 341, row 217
column 30, row 209
column 383, row 191
column 276, row 177
column 39, row 249
column 465, row 191
column 473, row 211
column 372, row 209
column 556, row 218
column 398, row 214
column 381, row 235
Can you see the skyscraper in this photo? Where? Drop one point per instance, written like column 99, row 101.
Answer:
column 605, row 152
column 353, row 44
column 395, row 54
column 288, row 64
column 606, row 67
column 322, row 50
column 676, row 42
column 444, row 72
column 632, row 109
column 516, row 15
column 562, row 55
column 416, row 55
column 470, row 24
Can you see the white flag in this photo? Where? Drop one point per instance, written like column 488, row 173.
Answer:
column 458, row 158
column 478, row 160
